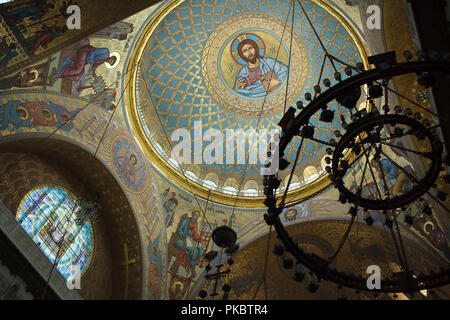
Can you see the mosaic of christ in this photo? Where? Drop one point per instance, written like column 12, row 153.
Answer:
column 258, row 75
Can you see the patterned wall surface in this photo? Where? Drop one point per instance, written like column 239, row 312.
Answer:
column 32, row 30
column 431, row 238
column 185, row 267
column 182, row 75
column 177, row 205
column 27, row 171
column 102, row 84
column 366, row 246
column 37, row 113
column 190, row 65
column 399, row 37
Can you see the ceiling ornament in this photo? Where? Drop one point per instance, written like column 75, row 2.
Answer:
column 129, row 165
column 217, row 272
column 221, row 63
column 366, row 166
column 188, row 67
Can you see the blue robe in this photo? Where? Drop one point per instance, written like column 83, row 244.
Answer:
column 9, row 116
column 193, row 254
column 35, row 11
column 9, row 56
column 392, row 172
column 95, row 56
column 266, row 65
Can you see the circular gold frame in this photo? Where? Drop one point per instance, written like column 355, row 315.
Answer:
column 176, row 176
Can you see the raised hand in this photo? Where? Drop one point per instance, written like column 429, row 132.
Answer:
column 241, row 83
column 269, row 81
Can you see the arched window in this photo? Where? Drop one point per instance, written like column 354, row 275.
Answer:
column 310, row 174
column 47, row 213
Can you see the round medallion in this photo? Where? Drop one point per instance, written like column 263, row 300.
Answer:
column 244, row 64
column 224, row 67
column 128, row 164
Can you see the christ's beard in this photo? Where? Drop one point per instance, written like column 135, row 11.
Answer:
column 252, row 59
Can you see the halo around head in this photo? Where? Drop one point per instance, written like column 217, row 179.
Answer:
column 192, row 211
column 426, row 224
column 242, row 37
column 115, row 54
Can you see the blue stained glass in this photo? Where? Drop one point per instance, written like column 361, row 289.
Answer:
column 48, row 214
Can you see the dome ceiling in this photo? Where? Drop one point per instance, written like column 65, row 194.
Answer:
column 189, row 68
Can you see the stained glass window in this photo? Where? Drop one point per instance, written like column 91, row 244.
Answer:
column 47, row 214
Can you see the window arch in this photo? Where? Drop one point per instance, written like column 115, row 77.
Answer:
column 47, row 214
column 310, row 174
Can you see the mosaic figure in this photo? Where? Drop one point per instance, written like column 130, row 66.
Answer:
column 259, row 75
column 73, row 68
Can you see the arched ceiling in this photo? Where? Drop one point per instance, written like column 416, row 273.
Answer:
column 187, row 69
column 172, row 50
column 365, row 246
column 24, row 22
column 116, row 214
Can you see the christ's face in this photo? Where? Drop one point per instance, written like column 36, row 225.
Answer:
column 249, row 53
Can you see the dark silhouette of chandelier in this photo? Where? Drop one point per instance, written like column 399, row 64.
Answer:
column 359, row 149
column 219, row 264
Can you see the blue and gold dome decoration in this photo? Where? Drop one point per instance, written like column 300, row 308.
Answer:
column 190, row 70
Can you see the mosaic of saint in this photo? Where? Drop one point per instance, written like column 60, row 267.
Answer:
column 129, row 164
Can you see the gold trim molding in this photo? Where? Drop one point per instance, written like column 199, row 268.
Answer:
column 174, row 175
